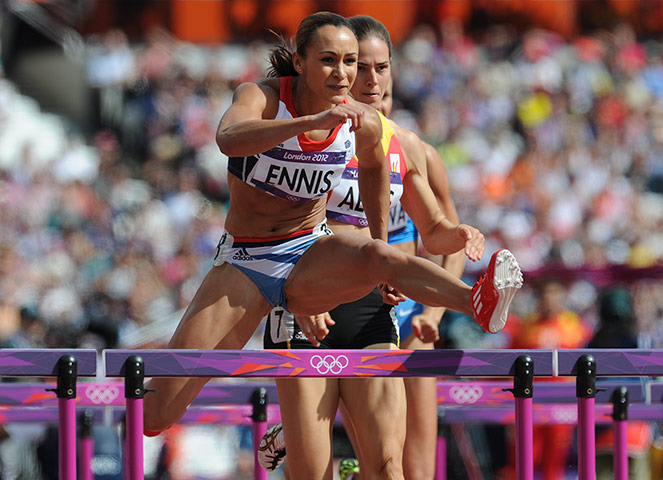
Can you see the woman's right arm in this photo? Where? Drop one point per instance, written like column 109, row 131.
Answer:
column 248, row 127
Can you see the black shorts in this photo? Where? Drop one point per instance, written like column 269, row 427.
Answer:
column 361, row 323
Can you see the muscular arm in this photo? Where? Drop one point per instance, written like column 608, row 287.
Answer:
column 427, row 322
column 439, row 184
column 373, row 174
column 249, row 126
column 439, row 235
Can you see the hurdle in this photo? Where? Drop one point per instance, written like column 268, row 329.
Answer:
column 66, row 365
column 134, row 365
column 104, row 402
column 477, row 402
column 586, row 365
column 460, row 401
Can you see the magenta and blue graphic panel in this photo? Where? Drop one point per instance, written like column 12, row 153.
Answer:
column 330, row 363
column 619, row 363
column 44, row 362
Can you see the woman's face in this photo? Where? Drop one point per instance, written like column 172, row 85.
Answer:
column 330, row 66
column 373, row 71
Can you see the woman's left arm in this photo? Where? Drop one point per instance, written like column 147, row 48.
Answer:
column 439, row 184
column 373, row 169
column 426, row 325
column 439, row 235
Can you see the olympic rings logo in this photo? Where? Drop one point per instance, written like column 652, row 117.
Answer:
column 102, row 394
column 466, row 394
column 329, row 364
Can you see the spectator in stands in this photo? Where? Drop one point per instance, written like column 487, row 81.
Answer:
column 616, row 329
column 30, row 332
column 581, row 188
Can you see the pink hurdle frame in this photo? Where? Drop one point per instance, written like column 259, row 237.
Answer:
column 524, row 371
column 63, row 364
column 259, row 416
column 584, row 368
column 86, row 446
column 467, row 363
column 620, row 416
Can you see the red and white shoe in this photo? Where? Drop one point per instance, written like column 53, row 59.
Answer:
column 492, row 294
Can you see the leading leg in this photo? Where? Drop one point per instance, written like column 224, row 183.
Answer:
column 342, row 268
column 224, row 313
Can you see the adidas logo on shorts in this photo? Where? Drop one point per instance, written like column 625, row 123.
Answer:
column 242, row 255
column 300, row 336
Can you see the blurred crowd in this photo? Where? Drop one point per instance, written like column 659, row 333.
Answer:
column 554, row 149
column 553, row 146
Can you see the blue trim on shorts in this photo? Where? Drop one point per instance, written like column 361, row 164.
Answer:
column 270, row 287
column 405, row 311
column 280, row 257
column 406, row 234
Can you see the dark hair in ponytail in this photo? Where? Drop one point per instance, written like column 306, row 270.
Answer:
column 280, row 58
column 365, row 26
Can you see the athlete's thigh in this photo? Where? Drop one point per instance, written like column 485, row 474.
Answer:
column 224, row 313
column 377, row 409
column 331, row 272
column 308, row 409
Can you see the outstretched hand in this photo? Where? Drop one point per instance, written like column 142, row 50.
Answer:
column 425, row 327
column 315, row 327
column 475, row 243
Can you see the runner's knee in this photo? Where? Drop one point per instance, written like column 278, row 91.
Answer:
column 391, row 468
column 379, row 257
column 419, row 468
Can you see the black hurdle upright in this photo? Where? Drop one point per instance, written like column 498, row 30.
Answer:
column 620, row 420
column 523, row 391
column 134, row 393
column 586, row 394
column 66, row 365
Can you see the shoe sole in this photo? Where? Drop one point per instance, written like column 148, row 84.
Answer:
column 507, row 280
column 267, row 449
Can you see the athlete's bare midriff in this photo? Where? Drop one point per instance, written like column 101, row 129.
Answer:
column 256, row 214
